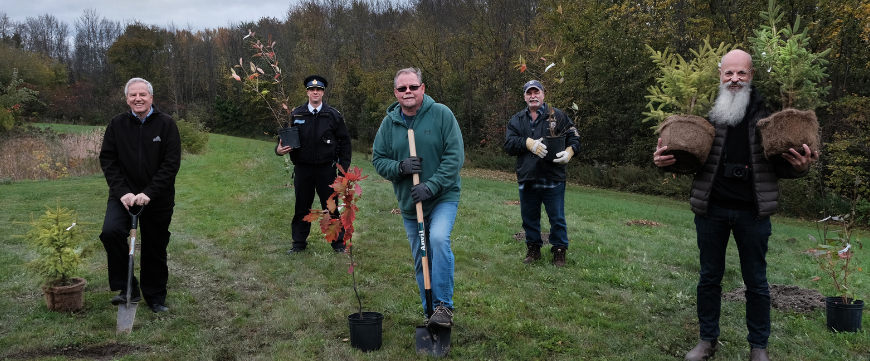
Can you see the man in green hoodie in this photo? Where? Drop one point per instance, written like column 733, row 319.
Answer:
column 440, row 155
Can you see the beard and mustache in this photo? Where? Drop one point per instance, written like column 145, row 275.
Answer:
column 730, row 106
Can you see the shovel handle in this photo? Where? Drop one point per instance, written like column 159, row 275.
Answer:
column 421, row 230
column 134, row 223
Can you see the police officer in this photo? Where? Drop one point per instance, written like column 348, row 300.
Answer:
column 324, row 144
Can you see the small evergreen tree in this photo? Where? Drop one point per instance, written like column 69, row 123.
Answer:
column 685, row 87
column 793, row 72
column 57, row 237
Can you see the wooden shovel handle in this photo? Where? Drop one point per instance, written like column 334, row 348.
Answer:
column 421, row 227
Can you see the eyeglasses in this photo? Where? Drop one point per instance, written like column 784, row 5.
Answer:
column 413, row 88
column 742, row 74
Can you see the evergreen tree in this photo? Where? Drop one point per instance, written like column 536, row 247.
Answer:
column 793, row 72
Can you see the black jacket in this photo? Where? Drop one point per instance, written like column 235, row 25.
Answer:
column 323, row 139
column 139, row 157
column 529, row 166
column 765, row 175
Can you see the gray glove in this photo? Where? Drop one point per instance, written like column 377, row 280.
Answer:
column 411, row 165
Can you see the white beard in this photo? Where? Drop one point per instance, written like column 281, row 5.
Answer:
column 730, row 107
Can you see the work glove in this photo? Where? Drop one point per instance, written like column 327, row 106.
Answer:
column 536, row 147
column 420, row 192
column 411, row 165
column 564, row 156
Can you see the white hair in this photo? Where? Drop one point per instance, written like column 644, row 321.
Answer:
column 138, row 80
column 730, row 106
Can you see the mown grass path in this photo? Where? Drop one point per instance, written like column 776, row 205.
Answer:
column 627, row 292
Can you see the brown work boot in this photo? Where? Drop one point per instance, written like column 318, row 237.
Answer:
column 559, row 255
column 703, row 351
column 533, row 254
column 758, row 354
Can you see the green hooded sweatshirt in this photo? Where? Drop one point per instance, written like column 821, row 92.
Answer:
column 439, row 143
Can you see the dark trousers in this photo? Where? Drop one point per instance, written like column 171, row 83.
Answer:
column 751, row 236
column 152, row 236
column 307, row 180
column 553, row 200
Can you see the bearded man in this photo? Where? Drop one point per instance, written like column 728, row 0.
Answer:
column 736, row 191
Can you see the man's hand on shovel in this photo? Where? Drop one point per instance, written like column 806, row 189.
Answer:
column 420, row 192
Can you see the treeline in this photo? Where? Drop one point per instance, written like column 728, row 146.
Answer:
column 475, row 56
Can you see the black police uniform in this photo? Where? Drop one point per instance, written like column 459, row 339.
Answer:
column 324, row 143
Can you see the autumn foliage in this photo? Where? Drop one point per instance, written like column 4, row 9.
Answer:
column 347, row 191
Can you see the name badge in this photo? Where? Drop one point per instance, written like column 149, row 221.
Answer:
column 299, row 121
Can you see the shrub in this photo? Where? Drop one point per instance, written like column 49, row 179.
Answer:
column 7, row 121
column 194, row 136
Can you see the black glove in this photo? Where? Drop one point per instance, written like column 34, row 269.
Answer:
column 420, row 193
column 411, row 165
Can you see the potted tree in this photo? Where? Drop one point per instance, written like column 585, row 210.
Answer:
column 834, row 254
column 57, row 237
column 683, row 96
column 268, row 85
column 794, row 75
column 365, row 327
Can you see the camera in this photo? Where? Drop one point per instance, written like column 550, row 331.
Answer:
column 736, row 171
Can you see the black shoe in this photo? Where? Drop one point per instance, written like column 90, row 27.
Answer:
column 122, row 297
column 295, row 250
column 158, row 307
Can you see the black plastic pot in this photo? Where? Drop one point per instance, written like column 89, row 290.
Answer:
column 366, row 331
column 554, row 145
column 289, row 136
column 843, row 317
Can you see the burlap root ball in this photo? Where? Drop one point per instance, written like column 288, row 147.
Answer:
column 789, row 128
column 688, row 138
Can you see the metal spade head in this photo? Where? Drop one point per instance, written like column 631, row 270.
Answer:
column 433, row 340
column 126, row 316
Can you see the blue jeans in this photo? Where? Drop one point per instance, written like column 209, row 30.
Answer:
column 750, row 235
column 553, row 200
column 438, row 226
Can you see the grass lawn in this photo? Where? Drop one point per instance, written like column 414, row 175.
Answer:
column 627, row 293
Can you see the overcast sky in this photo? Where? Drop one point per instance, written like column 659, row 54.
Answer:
column 199, row 14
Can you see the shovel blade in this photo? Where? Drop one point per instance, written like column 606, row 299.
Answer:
column 433, row 341
column 126, row 316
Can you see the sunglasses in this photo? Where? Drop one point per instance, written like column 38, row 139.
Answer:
column 402, row 89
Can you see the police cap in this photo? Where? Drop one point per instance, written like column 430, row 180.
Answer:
column 315, row 81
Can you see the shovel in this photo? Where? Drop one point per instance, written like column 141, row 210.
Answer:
column 431, row 339
column 127, row 312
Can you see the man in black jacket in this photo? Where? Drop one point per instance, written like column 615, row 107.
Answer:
column 140, row 157
column 541, row 181
column 324, row 143
column 736, row 191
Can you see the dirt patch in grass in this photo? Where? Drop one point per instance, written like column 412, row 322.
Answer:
column 643, row 222
column 99, row 352
column 488, row 174
column 512, row 203
column 521, row 236
column 785, row 298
